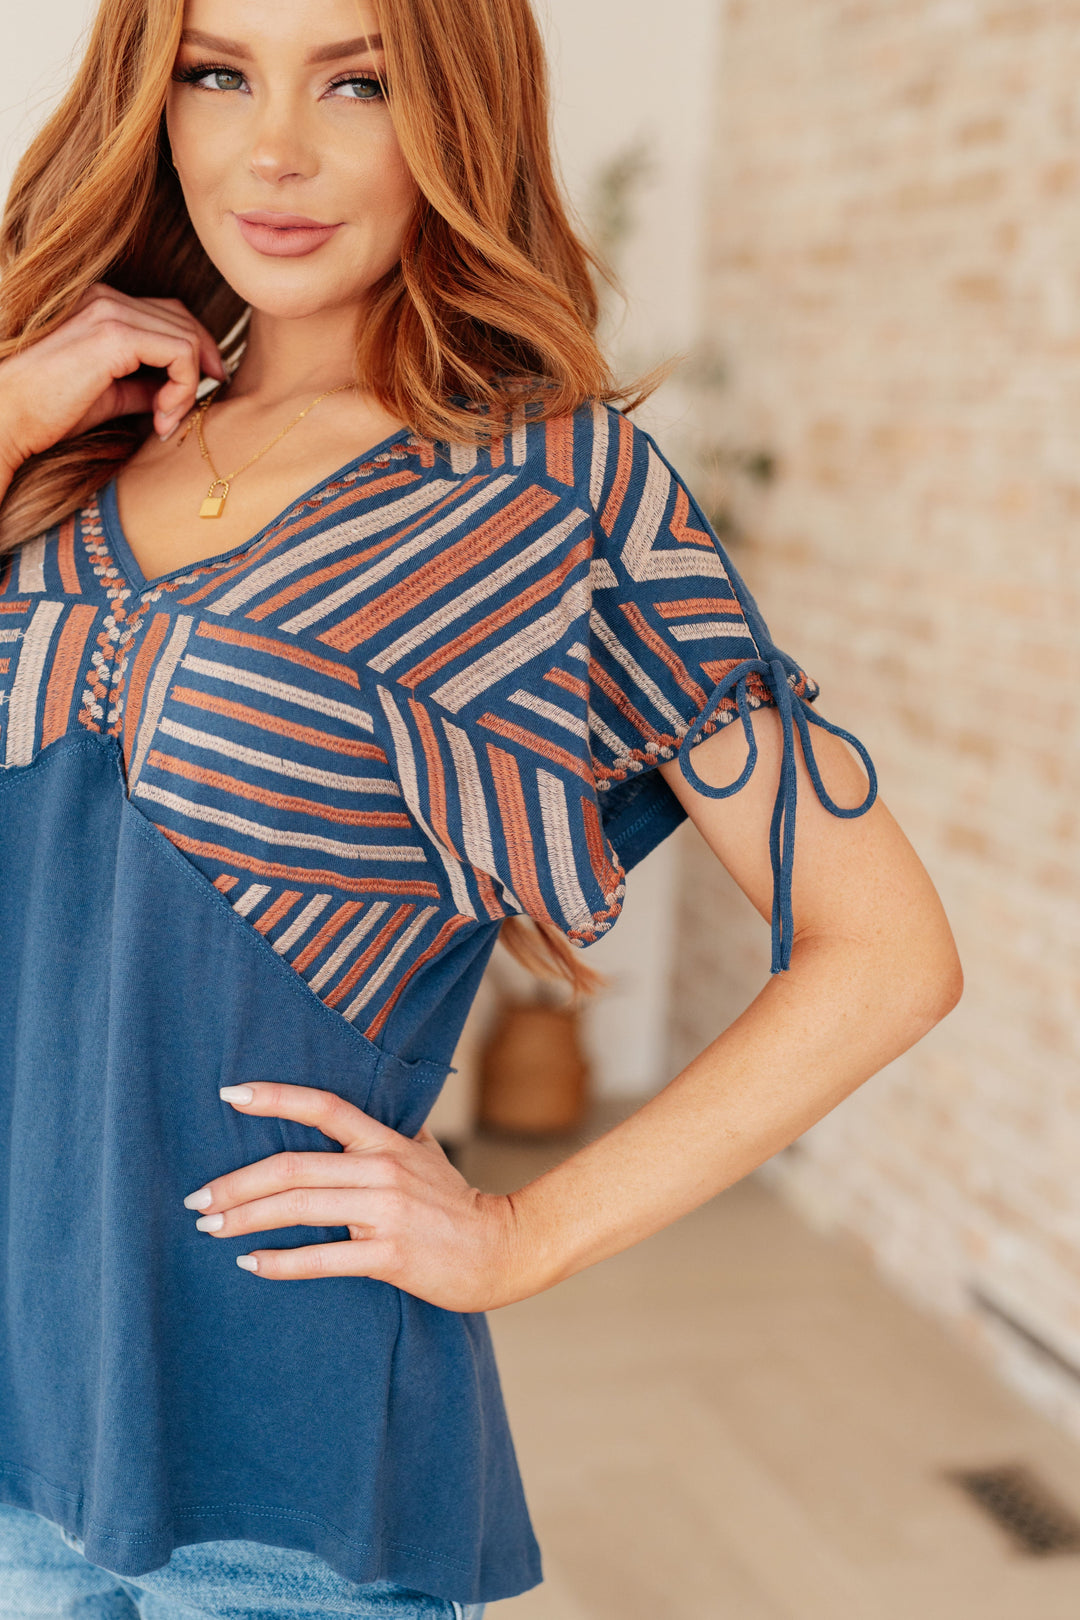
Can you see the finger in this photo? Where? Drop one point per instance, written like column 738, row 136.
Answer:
column 303, row 1206
column 128, row 346
column 104, row 303
column 340, row 1120
column 179, row 393
column 109, row 301
column 209, row 353
column 133, row 396
column 139, row 336
column 368, row 1257
column 98, row 291
column 127, row 396
column 282, row 1171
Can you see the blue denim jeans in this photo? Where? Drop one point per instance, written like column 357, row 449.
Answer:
column 44, row 1576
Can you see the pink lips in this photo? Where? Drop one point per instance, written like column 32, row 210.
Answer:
column 283, row 235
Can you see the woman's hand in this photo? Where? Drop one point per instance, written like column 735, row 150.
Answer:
column 81, row 374
column 413, row 1220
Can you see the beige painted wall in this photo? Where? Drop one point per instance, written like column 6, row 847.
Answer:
column 38, row 40
column 895, row 284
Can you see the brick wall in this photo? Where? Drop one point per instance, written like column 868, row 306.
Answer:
column 894, row 287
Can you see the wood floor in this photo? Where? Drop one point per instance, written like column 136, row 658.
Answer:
column 736, row 1420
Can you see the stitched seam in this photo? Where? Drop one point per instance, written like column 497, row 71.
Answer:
column 211, row 1510
column 417, row 1068
column 288, row 975
column 32, row 1473
column 12, row 776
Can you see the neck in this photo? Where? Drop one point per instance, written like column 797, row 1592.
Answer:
column 286, row 358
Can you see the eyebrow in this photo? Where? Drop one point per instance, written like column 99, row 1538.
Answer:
column 322, row 53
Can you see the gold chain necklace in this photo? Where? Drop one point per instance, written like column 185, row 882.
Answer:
column 218, row 493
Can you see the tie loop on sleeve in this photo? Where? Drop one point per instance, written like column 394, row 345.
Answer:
column 793, row 712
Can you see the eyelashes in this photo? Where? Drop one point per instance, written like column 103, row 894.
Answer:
column 203, row 70
column 367, row 79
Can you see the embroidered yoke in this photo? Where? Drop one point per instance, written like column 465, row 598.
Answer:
column 262, row 819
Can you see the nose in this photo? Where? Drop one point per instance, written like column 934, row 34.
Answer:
column 280, row 148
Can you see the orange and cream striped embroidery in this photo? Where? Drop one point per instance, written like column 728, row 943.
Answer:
column 409, row 707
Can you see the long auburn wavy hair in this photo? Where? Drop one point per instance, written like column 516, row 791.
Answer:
column 494, row 298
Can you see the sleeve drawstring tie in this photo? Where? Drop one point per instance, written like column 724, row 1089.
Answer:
column 793, row 712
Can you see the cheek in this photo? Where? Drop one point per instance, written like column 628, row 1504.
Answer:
column 386, row 195
column 192, row 157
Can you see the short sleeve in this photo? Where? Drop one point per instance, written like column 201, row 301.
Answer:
column 671, row 620
column 608, row 633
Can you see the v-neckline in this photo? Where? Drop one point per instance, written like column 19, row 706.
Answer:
column 109, row 506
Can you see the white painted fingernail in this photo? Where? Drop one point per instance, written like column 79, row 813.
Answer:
column 200, row 1199
column 236, row 1093
column 164, row 436
column 210, row 1223
column 248, row 1261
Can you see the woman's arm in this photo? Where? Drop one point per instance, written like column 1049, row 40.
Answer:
column 873, row 968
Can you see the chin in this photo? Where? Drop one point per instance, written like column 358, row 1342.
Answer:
column 293, row 305
column 272, row 295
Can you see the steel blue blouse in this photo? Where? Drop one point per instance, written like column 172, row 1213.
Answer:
column 262, row 818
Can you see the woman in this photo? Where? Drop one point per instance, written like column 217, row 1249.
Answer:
column 317, row 675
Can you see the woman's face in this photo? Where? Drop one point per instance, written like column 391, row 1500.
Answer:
column 285, row 150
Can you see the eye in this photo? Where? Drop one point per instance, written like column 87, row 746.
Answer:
column 219, row 77
column 359, row 87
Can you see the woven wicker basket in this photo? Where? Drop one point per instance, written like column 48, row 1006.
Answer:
column 534, row 1078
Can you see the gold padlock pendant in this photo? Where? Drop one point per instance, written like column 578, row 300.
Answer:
column 214, row 505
